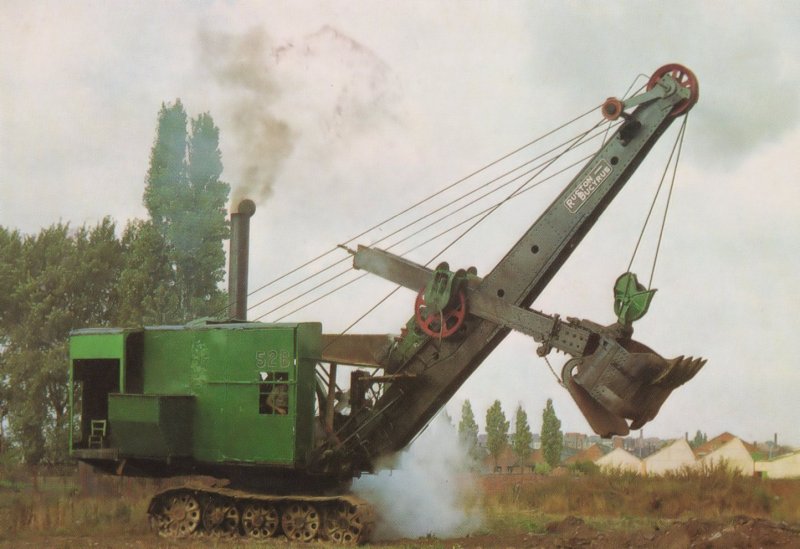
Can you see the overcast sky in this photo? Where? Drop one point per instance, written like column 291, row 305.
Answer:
column 334, row 115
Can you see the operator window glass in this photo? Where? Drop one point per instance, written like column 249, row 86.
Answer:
column 273, row 394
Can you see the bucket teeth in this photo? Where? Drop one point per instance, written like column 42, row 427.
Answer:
column 625, row 381
column 679, row 371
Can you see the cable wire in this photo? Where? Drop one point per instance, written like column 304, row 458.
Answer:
column 427, row 198
column 524, row 188
column 669, row 198
column 541, row 168
column 655, row 197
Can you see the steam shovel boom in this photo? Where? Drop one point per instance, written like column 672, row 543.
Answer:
column 499, row 302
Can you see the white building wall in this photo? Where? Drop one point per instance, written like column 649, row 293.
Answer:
column 787, row 466
column 622, row 460
column 735, row 456
column 670, row 458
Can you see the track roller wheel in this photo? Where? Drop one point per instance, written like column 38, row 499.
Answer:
column 440, row 324
column 178, row 516
column 220, row 517
column 685, row 78
column 260, row 520
column 301, row 521
column 344, row 524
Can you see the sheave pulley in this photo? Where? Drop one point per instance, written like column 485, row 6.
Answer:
column 440, row 307
column 613, row 378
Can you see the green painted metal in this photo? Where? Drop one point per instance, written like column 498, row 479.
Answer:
column 235, row 376
column 90, row 344
column 153, row 426
column 631, row 299
column 93, row 344
column 441, row 288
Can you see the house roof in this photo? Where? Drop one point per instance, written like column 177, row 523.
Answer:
column 619, row 457
column 716, row 442
column 592, row 453
column 678, row 444
column 789, row 455
column 507, row 458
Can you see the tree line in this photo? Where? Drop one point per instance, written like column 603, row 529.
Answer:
column 520, row 441
column 160, row 270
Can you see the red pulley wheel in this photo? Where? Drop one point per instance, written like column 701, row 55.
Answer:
column 440, row 324
column 685, row 78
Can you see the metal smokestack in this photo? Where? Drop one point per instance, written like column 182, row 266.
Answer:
column 239, row 259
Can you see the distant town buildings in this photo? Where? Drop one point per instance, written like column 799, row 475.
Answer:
column 654, row 456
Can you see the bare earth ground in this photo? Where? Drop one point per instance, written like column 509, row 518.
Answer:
column 574, row 532
column 570, row 532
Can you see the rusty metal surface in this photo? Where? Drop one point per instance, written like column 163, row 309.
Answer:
column 356, row 349
column 625, row 381
column 204, row 492
column 566, row 337
column 392, row 267
column 200, row 488
column 239, row 259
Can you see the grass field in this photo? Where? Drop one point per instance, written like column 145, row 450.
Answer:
column 54, row 509
column 710, row 493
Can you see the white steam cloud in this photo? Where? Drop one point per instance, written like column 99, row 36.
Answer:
column 432, row 491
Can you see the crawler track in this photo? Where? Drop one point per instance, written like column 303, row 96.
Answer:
column 195, row 510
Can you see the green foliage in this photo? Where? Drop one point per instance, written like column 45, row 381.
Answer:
column 60, row 280
column 552, row 438
column 167, row 180
column 699, row 439
column 522, row 438
column 468, row 432
column 146, row 290
column 186, row 201
column 542, row 469
column 584, row 468
column 496, row 430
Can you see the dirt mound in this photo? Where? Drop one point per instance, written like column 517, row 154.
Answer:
column 742, row 532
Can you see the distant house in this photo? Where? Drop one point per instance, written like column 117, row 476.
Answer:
column 576, row 441
column 785, row 466
column 507, row 462
column 734, row 453
column 592, row 453
column 671, row 457
column 620, row 459
column 717, row 442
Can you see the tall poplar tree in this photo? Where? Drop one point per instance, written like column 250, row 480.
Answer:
column 496, row 430
column 204, row 267
column 552, row 438
column 522, row 438
column 186, row 201
column 468, row 431
column 166, row 187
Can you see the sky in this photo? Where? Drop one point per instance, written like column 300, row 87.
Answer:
column 336, row 115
